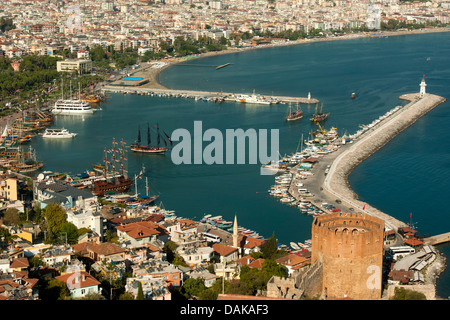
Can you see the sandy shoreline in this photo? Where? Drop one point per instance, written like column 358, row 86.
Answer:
column 153, row 73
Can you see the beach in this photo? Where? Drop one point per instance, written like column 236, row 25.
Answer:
column 153, row 73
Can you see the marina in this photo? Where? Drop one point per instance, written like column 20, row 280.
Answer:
column 72, row 107
column 162, row 175
column 210, row 96
column 336, row 181
column 325, row 189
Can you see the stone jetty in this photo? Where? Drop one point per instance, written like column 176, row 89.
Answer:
column 336, row 183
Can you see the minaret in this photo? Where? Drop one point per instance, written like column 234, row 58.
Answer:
column 235, row 232
column 422, row 87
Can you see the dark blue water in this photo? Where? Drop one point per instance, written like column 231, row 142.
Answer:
column 410, row 174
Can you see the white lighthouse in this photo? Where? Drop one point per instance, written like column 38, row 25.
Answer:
column 422, row 87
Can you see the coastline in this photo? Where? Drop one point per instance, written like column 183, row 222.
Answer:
column 153, row 74
column 336, row 182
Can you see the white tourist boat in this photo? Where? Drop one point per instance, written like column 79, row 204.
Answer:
column 253, row 99
column 72, row 107
column 58, row 133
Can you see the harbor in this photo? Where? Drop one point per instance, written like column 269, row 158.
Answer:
column 210, row 96
column 315, row 179
column 373, row 139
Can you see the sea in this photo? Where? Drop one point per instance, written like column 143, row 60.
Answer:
column 408, row 178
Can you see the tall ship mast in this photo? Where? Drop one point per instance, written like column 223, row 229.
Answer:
column 149, row 148
column 115, row 179
column 294, row 115
column 71, row 106
column 319, row 116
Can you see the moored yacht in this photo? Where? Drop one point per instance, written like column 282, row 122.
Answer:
column 57, row 133
column 72, row 107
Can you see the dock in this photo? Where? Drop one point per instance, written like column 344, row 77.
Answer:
column 223, row 66
column 336, row 184
column 203, row 95
column 203, row 65
column 437, row 239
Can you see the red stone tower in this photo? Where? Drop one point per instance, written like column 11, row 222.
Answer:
column 350, row 248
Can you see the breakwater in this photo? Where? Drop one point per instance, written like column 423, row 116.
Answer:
column 202, row 95
column 336, row 182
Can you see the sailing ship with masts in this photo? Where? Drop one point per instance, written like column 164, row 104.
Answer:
column 158, row 149
column 114, row 178
column 319, row 116
column 25, row 161
column 294, row 115
column 139, row 199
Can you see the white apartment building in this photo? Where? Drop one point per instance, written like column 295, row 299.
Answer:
column 87, row 219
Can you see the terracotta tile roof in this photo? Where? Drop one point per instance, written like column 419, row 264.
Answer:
column 253, row 242
column 19, row 263
column 245, row 261
column 155, row 218
column 413, row 242
column 105, row 248
column 9, row 282
column 257, row 263
column 80, row 280
column 31, row 282
column 153, row 248
column 142, row 229
column 291, row 260
column 223, row 250
column 81, row 248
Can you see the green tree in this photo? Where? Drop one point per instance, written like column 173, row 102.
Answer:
column 140, row 294
column 169, row 248
column 241, row 287
column 54, row 216
column 37, row 212
column 194, row 287
column 70, row 230
column 35, row 261
column 53, row 290
column 97, row 53
column 269, row 248
column 11, row 217
column 93, row 296
column 213, row 292
column 406, row 294
column 6, row 24
column 126, row 296
column 163, row 45
column 111, row 236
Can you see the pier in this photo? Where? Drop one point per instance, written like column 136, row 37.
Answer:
column 203, row 65
column 336, row 184
column 223, row 66
column 437, row 239
column 225, row 96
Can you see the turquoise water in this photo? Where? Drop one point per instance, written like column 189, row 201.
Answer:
column 409, row 175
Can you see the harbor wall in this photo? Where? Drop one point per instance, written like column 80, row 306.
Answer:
column 336, row 181
column 229, row 96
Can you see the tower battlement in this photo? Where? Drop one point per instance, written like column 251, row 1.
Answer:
column 350, row 247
